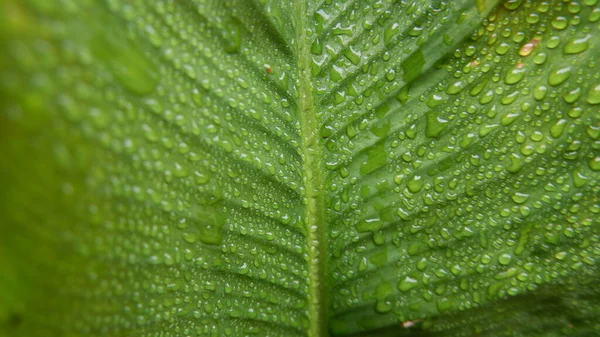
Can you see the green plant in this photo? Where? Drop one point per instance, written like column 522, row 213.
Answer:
column 293, row 168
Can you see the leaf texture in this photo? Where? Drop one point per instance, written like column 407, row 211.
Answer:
column 308, row 168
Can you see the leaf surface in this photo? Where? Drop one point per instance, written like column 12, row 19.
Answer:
column 309, row 168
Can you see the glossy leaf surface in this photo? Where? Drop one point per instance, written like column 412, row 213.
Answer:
column 299, row 168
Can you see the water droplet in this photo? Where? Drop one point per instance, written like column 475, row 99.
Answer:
column 594, row 15
column 340, row 30
column 455, row 87
column 540, row 58
column 382, row 306
column 540, row 92
column 560, row 23
column 594, row 164
column 502, row 48
column 434, row 101
column 579, row 179
column 456, row 269
column 435, row 125
column 559, row 75
column 572, row 95
column 153, row 36
column 512, row 4
column 352, row 55
column 557, row 129
column 444, row 304
column 201, row 178
column 486, row 259
column 515, row 75
column 508, row 118
column 523, row 239
column 560, row 255
column 553, row 42
column 336, row 73
column 180, row 171
column 376, row 158
column 504, row 259
column 369, row 225
column 407, row 284
column 510, row 272
column 575, row 112
column 520, row 198
column 362, row 264
column 486, row 97
column 210, row 223
column 390, row 75
column 577, row 45
column 515, row 163
column 190, row 237
column 593, row 95
column 415, row 184
column 316, row 47
column 529, row 47
column 390, row 33
column 593, row 131
column 197, row 97
column 484, row 130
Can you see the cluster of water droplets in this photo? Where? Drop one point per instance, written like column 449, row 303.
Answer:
column 456, row 182
column 462, row 167
column 174, row 130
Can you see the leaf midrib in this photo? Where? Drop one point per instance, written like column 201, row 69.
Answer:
column 313, row 182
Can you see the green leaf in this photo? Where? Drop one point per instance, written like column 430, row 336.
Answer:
column 299, row 168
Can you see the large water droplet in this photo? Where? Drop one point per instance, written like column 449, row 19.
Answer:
column 559, row 75
column 415, row 184
column 593, row 95
column 504, row 259
column 520, row 198
column 382, row 306
column 577, row 44
column 515, row 75
column 435, row 124
column 407, row 284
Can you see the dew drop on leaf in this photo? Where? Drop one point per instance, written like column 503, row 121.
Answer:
column 515, row 75
column 504, row 259
column 593, row 95
column 520, row 198
column 559, row 75
column 407, row 284
column 577, row 45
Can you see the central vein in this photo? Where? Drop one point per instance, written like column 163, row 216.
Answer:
column 313, row 183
